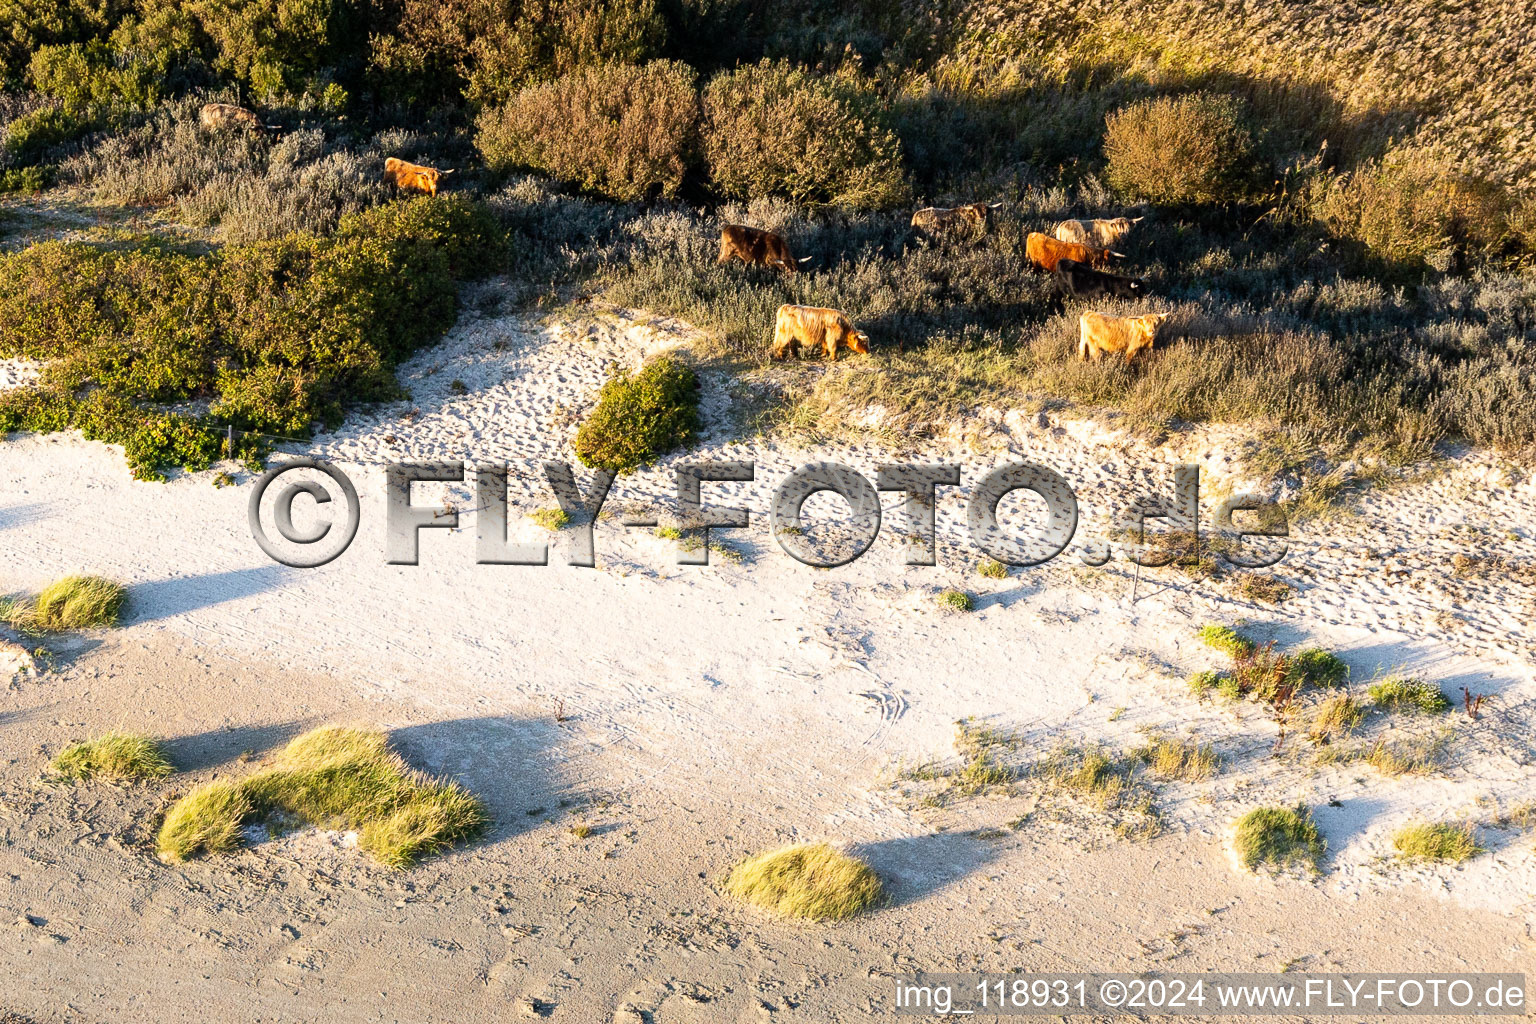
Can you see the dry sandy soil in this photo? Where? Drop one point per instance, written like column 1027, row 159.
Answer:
column 692, row 715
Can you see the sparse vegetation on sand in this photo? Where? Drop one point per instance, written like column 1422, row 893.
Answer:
column 641, row 415
column 331, row 777
column 992, row 569
column 955, row 600
column 1172, row 758
column 119, row 756
column 1436, row 841
column 1109, row 783
column 1261, row 672
column 806, row 880
column 1414, row 696
column 1336, row 717
column 1279, row 837
column 1409, row 755
column 74, row 602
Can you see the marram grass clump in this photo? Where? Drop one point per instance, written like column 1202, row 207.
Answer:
column 119, row 756
column 808, row 880
column 1280, row 837
column 1436, row 841
column 956, row 600
column 332, row 777
column 74, row 602
column 1226, row 640
column 1411, row 695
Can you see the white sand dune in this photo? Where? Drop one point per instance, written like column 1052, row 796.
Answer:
column 778, row 684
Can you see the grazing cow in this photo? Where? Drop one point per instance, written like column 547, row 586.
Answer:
column 1046, row 252
column 1101, row 332
column 1102, row 233
column 756, row 246
column 937, row 220
column 215, row 117
column 814, row 326
column 1083, row 282
column 409, row 177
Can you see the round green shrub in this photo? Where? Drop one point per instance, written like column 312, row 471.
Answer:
column 776, row 129
column 623, row 131
column 1194, row 148
column 641, row 416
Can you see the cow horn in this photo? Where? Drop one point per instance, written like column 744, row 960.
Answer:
column 995, row 206
column 1116, row 255
column 804, row 259
column 1137, row 220
column 447, row 172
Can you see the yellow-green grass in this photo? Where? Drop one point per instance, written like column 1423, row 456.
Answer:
column 115, row 755
column 74, row 602
column 552, row 519
column 1411, row 695
column 1226, row 640
column 1173, row 758
column 992, row 569
column 1436, row 841
column 807, row 880
column 1411, row 755
column 332, row 777
column 1280, row 837
column 1335, row 717
column 956, row 600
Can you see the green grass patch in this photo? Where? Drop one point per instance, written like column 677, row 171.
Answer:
column 1226, row 640
column 1280, row 837
column 1202, row 683
column 956, row 600
column 807, row 880
column 1414, row 696
column 640, row 417
column 1436, row 841
column 552, row 519
column 992, row 569
column 1315, row 667
column 74, row 602
column 331, row 777
column 119, row 756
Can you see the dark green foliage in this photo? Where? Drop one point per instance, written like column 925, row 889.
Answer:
column 641, row 416
column 26, row 179
column 277, row 335
column 45, row 132
column 1315, row 667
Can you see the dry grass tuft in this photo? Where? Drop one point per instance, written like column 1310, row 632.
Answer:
column 114, row 755
column 1415, row 755
column 1336, row 717
column 807, row 880
column 331, row 777
column 1173, row 758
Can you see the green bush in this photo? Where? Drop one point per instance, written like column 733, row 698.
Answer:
column 1315, row 667
column 85, row 76
column 278, row 334
column 955, row 600
column 775, row 129
column 26, row 179
column 1194, row 148
column 1226, row 640
column 641, row 416
column 33, row 136
column 1412, row 695
column 625, row 131
column 552, row 38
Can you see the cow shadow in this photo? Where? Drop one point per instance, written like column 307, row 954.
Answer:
column 916, row 867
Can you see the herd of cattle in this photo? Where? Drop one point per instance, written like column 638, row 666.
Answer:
column 1077, row 254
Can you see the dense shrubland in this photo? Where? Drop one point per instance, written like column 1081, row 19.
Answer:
column 1344, row 233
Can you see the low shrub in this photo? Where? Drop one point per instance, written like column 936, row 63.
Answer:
column 48, row 131
column 1203, row 682
column 1315, row 667
column 807, row 880
column 992, row 569
column 1194, row 148
column 776, row 129
column 640, row 416
column 955, row 600
column 1280, row 837
column 1436, row 842
column 552, row 519
column 26, row 179
column 330, row 778
column 114, row 755
column 1397, row 693
column 622, row 131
